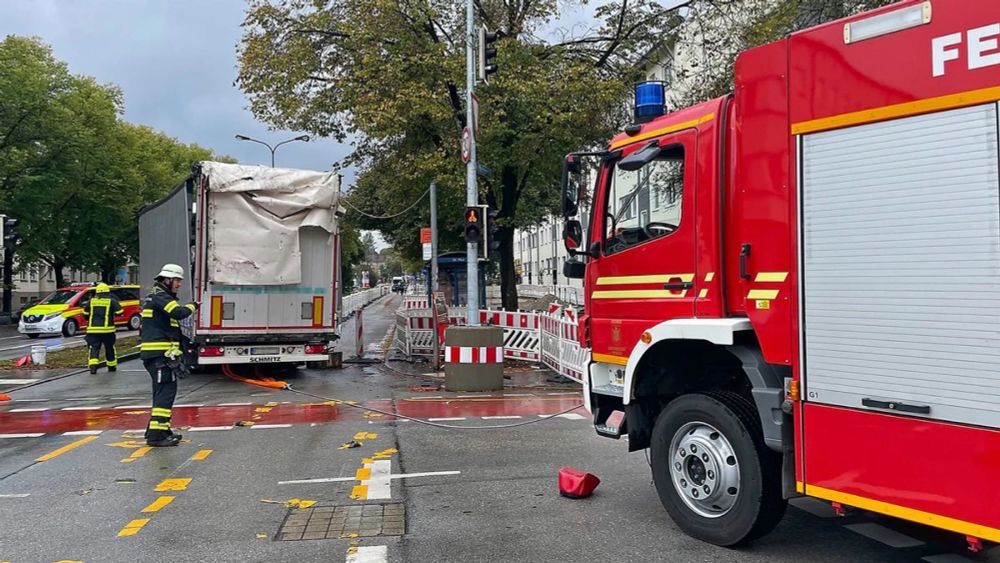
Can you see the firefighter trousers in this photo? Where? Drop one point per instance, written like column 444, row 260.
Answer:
column 164, row 391
column 96, row 341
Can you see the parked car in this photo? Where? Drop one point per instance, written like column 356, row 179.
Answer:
column 64, row 311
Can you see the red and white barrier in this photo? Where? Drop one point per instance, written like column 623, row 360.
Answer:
column 473, row 354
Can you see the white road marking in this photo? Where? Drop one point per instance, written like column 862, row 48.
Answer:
column 134, row 407
column 880, row 533
column 518, row 395
column 29, row 410
column 259, row 426
column 22, row 435
column 22, row 495
column 504, row 417
column 472, row 396
column 567, row 415
column 81, row 399
column 190, row 405
column 446, row 418
column 123, row 398
column 17, row 381
column 391, row 476
column 80, row 408
column 569, row 393
column 430, row 397
column 83, row 433
column 378, row 483
column 29, row 400
column 368, row 554
column 136, row 431
column 206, row 428
column 234, row 404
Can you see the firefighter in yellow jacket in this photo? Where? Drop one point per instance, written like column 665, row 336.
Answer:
column 161, row 350
column 101, row 313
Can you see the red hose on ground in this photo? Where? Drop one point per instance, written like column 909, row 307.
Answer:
column 271, row 383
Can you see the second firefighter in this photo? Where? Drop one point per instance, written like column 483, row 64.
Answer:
column 101, row 313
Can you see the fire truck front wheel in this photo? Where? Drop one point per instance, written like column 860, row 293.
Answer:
column 713, row 472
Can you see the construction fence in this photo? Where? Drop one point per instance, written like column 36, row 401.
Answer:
column 547, row 338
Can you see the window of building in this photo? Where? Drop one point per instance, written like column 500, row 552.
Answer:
column 33, row 273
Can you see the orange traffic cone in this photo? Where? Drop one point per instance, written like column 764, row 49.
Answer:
column 23, row 361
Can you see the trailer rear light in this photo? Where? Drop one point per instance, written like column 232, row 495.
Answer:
column 211, row 351
column 889, row 22
column 316, row 349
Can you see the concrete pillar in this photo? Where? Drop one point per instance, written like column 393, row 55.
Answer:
column 473, row 358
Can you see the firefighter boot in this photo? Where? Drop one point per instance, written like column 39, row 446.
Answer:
column 167, row 442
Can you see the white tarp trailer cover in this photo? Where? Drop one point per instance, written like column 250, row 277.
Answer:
column 256, row 217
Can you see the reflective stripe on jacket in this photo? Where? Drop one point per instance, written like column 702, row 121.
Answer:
column 161, row 331
column 101, row 312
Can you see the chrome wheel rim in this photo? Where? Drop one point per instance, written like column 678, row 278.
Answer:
column 704, row 469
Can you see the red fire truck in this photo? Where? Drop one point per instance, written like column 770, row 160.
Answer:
column 795, row 289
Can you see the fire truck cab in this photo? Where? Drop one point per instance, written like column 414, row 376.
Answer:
column 793, row 290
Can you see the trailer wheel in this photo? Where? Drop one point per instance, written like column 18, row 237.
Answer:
column 715, row 476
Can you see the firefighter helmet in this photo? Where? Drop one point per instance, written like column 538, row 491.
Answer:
column 102, row 288
column 171, row 271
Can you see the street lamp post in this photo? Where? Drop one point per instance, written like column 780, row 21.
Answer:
column 303, row 138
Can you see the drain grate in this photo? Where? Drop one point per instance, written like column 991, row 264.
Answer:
column 356, row 520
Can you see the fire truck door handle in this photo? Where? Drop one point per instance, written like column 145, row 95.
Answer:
column 678, row 285
column 744, row 254
column 895, row 406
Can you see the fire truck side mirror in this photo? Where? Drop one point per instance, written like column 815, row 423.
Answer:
column 571, row 183
column 572, row 235
column 574, row 269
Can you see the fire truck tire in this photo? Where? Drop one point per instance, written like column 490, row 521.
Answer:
column 134, row 322
column 70, row 328
column 713, row 472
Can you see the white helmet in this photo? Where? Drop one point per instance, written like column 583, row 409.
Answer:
column 171, row 271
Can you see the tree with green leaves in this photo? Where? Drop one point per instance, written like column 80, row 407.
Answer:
column 71, row 170
column 390, row 74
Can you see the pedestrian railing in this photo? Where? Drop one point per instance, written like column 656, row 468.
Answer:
column 548, row 337
column 360, row 299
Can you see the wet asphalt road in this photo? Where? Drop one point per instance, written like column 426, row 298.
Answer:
column 468, row 495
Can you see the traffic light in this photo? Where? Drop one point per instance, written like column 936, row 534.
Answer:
column 474, row 224
column 492, row 234
column 487, row 54
column 10, row 237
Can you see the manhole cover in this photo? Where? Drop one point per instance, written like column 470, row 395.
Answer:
column 357, row 520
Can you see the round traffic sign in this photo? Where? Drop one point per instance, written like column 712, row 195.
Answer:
column 466, row 145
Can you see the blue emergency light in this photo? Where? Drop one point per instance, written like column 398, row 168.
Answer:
column 650, row 100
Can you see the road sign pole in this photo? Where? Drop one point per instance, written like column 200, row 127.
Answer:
column 434, row 274
column 472, row 193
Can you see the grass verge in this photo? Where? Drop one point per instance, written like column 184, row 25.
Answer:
column 72, row 357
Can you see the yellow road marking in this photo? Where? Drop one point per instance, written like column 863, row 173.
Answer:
column 158, row 504
column 133, row 527
column 137, row 454
column 366, row 461
column 173, row 485
column 262, row 409
column 126, row 444
column 66, row 448
column 201, row 455
column 363, row 474
column 359, row 492
column 365, row 436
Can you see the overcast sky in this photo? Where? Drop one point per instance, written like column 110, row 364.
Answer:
column 175, row 60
